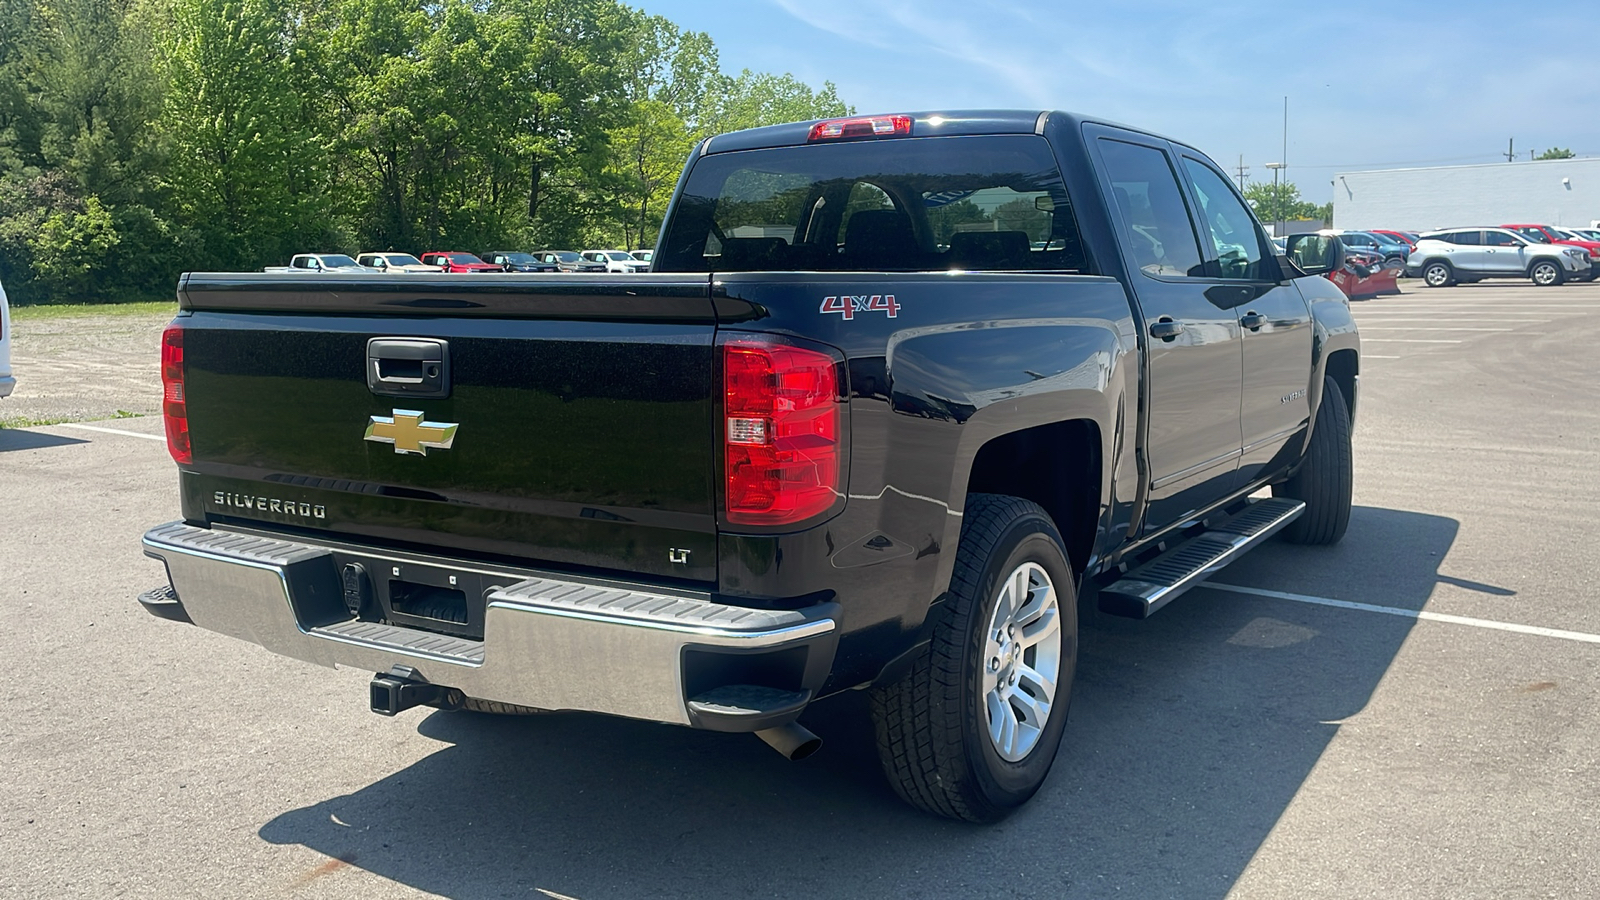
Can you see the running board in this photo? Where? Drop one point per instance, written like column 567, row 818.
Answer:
column 1142, row 591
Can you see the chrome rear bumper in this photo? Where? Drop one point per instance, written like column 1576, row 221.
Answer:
column 548, row 643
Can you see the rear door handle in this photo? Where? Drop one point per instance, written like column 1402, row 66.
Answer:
column 1252, row 320
column 1166, row 329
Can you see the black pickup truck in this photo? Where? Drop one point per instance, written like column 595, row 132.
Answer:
column 900, row 393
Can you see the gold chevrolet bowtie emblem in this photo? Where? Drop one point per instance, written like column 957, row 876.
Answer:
column 409, row 434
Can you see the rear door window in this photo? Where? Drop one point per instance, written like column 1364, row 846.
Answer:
column 1158, row 232
column 984, row 202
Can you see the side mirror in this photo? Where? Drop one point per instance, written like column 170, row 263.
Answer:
column 1315, row 254
column 1045, row 203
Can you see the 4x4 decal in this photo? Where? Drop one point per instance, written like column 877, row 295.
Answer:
column 848, row 306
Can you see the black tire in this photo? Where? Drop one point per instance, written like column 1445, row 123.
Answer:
column 1438, row 274
column 932, row 725
column 1324, row 478
column 1545, row 273
column 491, row 707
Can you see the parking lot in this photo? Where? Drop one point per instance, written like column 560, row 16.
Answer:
column 1414, row 712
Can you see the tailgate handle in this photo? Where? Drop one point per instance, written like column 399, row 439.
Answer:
column 408, row 367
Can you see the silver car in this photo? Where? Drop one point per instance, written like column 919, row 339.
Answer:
column 1459, row 255
column 7, row 382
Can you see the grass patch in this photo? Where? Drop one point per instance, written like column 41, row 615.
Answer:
column 81, row 310
column 35, row 422
column 29, row 421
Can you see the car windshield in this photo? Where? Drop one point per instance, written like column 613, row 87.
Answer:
column 1385, row 239
column 465, row 259
column 619, row 256
column 1534, row 234
column 520, row 259
column 641, row 255
column 994, row 202
column 402, row 259
column 337, row 259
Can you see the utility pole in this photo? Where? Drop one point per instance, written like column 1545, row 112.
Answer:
column 1243, row 172
column 1511, row 150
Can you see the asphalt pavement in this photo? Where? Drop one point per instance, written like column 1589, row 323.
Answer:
column 1412, row 713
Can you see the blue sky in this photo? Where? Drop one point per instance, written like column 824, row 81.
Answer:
column 1385, row 86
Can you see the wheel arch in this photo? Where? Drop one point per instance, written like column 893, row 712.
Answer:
column 1058, row 465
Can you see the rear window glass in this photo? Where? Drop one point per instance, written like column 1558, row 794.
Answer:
column 987, row 203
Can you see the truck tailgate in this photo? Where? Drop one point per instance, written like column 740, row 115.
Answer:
column 575, row 425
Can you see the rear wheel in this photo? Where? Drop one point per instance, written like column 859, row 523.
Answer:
column 972, row 730
column 1437, row 274
column 1325, row 475
column 1545, row 273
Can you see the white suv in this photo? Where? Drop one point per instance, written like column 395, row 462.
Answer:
column 7, row 382
column 1472, row 254
column 616, row 261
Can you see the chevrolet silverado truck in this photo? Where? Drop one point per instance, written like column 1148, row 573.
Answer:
column 900, row 392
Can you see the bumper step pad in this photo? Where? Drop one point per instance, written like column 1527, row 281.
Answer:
column 1142, row 591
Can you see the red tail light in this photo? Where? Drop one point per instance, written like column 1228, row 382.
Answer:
column 782, row 432
column 865, row 126
column 173, row 409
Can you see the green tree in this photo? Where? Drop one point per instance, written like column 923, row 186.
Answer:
column 1279, row 202
column 1556, row 153
column 246, row 168
column 753, row 99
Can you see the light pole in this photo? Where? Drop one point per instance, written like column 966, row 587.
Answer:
column 1277, row 199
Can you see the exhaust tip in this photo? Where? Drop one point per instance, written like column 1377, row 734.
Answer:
column 794, row 741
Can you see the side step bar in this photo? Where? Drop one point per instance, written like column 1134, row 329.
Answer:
column 1142, row 591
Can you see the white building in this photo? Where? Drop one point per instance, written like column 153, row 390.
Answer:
column 1546, row 192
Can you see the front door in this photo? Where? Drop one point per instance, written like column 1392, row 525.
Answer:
column 1274, row 322
column 1192, row 439
column 1503, row 253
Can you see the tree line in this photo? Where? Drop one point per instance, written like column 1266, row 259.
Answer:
column 143, row 138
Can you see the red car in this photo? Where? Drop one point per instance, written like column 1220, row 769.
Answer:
column 457, row 262
column 1544, row 234
column 1405, row 237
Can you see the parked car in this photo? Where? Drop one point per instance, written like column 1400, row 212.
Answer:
column 1592, row 234
column 1472, row 254
column 924, row 457
column 1409, row 238
column 458, row 263
column 517, row 261
column 8, row 382
column 570, row 261
column 642, row 255
column 1549, row 234
column 322, row 263
column 1391, row 252
column 618, row 261
column 395, row 263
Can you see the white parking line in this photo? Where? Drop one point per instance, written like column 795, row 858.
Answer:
column 1406, row 341
column 1375, row 356
column 1428, row 328
column 148, row 437
column 1412, row 613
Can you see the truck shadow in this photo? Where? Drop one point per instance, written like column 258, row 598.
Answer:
column 1190, row 735
column 22, row 439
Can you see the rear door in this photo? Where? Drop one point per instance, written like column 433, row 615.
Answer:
column 516, row 417
column 1192, row 333
column 1274, row 322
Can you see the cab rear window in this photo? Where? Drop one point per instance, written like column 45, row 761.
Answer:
column 982, row 203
